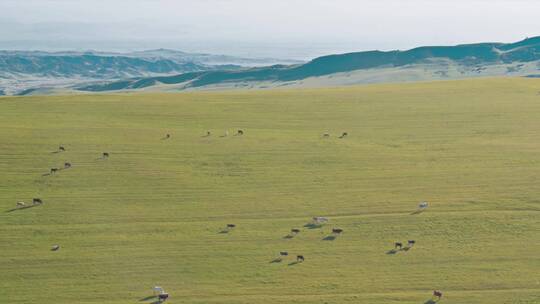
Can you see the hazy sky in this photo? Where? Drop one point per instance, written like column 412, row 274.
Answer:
column 279, row 28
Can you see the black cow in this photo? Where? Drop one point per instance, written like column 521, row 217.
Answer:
column 163, row 297
column 345, row 134
column 54, row 170
column 283, row 253
column 398, row 245
column 411, row 243
column 437, row 294
column 295, row 230
column 67, row 165
column 240, row 132
column 231, row 225
column 105, row 154
column 337, row 230
column 61, row 148
column 37, row 201
column 300, row 258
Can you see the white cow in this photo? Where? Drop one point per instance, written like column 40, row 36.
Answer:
column 158, row 290
column 320, row 219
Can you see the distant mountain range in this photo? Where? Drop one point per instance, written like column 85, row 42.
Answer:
column 24, row 70
column 199, row 71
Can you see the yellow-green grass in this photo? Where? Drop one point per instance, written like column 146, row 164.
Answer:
column 152, row 213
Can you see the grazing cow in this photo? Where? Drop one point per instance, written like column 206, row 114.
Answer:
column 326, row 135
column 337, row 230
column 300, row 258
column 295, row 231
column 320, row 219
column 423, row 205
column 283, row 253
column 240, row 132
column 168, row 136
column 345, row 134
column 398, row 245
column 158, row 290
column 231, row 226
column 21, row 204
column 163, row 297
column 55, row 247
column 54, row 170
column 411, row 243
column 105, row 154
column 61, row 148
column 37, row 201
column 67, row 165
column 437, row 294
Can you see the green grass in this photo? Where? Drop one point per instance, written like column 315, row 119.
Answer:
column 151, row 214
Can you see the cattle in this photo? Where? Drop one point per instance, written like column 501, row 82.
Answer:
column 67, row 165
column 230, row 226
column 167, row 136
column 158, row 290
column 437, row 294
column 163, row 297
column 344, row 134
column 398, row 245
column 411, row 243
column 240, row 132
column 320, row 219
column 61, row 148
column 208, row 133
column 337, row 230
column 300, row 258
column 326, row 135
column 423, row 205
column 54, row 170
column 37, row 201
column 105, row 154
column 55, row 247
column 295, row 231
column 21, row 204
column 283, row 253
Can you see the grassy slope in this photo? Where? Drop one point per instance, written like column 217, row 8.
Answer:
column 151, row 214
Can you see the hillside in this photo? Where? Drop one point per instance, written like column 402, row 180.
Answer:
column 155, row 211
column 471, row 59
column 21, row 71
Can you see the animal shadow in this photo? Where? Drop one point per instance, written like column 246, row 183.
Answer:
column 224, row 231
column 430, row 301
column 21, row 208
column 46, row 174
column 147, row 298
column 293, row 263
column 276, row 260
column 406, row 248
column 330, row 238
column 417, row 212
column 288, row 236
column 312, row 226
column 393, row 251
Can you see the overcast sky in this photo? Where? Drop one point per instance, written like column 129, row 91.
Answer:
column 278, row 28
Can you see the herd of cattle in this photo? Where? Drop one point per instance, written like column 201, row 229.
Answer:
column 316, row 221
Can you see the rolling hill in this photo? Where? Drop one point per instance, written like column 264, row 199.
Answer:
column 471, row 60
column 31, row 71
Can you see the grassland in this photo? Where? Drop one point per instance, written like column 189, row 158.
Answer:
column 151, row 213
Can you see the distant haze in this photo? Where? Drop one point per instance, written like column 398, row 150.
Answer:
column 299, row 29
